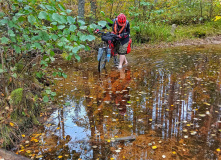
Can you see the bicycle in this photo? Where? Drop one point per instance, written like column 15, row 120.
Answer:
column 107, row 51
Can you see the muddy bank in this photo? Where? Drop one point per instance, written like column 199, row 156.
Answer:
column 187, row 42
column 7, row 155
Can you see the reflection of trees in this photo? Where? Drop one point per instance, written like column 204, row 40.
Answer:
column 169, row 98
column 183, row 89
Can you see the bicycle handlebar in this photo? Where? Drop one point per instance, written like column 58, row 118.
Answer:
column 103, row 33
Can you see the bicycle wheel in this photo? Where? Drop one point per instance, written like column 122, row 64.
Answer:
column 102, row 60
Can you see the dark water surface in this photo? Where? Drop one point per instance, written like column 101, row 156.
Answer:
column 164, row 105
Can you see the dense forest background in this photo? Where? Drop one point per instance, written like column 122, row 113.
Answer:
column 32, row 32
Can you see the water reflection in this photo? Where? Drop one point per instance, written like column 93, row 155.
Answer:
column 165, row 105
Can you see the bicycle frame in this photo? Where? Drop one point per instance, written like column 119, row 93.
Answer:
column 104, row 53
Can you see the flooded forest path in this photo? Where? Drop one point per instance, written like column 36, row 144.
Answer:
column 165, row 104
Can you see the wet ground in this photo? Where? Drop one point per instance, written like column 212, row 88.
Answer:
column 165, row 105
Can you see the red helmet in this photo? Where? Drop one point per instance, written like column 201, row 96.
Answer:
column 121, row 19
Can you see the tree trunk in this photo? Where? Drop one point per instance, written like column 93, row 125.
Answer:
column 136, row 3
column 81, row 4
column 93, row 10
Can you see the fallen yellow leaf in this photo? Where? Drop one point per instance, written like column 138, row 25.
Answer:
column 174, row 152
column 60, row 156
column 28, row 151
column 218, row 149
column 11, row 124
column 23, row 135
column 154, row 147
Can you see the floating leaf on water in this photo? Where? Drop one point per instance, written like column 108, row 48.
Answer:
column 193, row 132
column 60, row 156
column 181, row 141
column 202, row 115
column 206, row 103
column 94, row 146
column 174, row 152
column 40, row 156
column 218, row 149
column 108, row 140
column 28, row 151
column 150, row 120
column 23, row 135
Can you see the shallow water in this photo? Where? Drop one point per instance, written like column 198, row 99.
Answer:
column 165, row 105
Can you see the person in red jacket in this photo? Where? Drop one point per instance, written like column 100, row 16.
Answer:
column 121, row 27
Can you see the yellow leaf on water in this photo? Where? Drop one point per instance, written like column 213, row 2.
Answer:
column 11, row 124
column 108, row 140
column 174, row 152
column 60, row 156
column 206, row 103
column 58, row 128
column 181, row 141
column 23, row 135
column 28, row 151
column 112, row 158
column 150, row 120
column 154, row 147
column 40, row 156
column 218, row 149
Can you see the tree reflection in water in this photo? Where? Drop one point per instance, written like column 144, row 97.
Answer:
column 170, row 101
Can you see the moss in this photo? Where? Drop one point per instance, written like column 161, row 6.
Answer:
column 16, row 96
column 19, row 66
